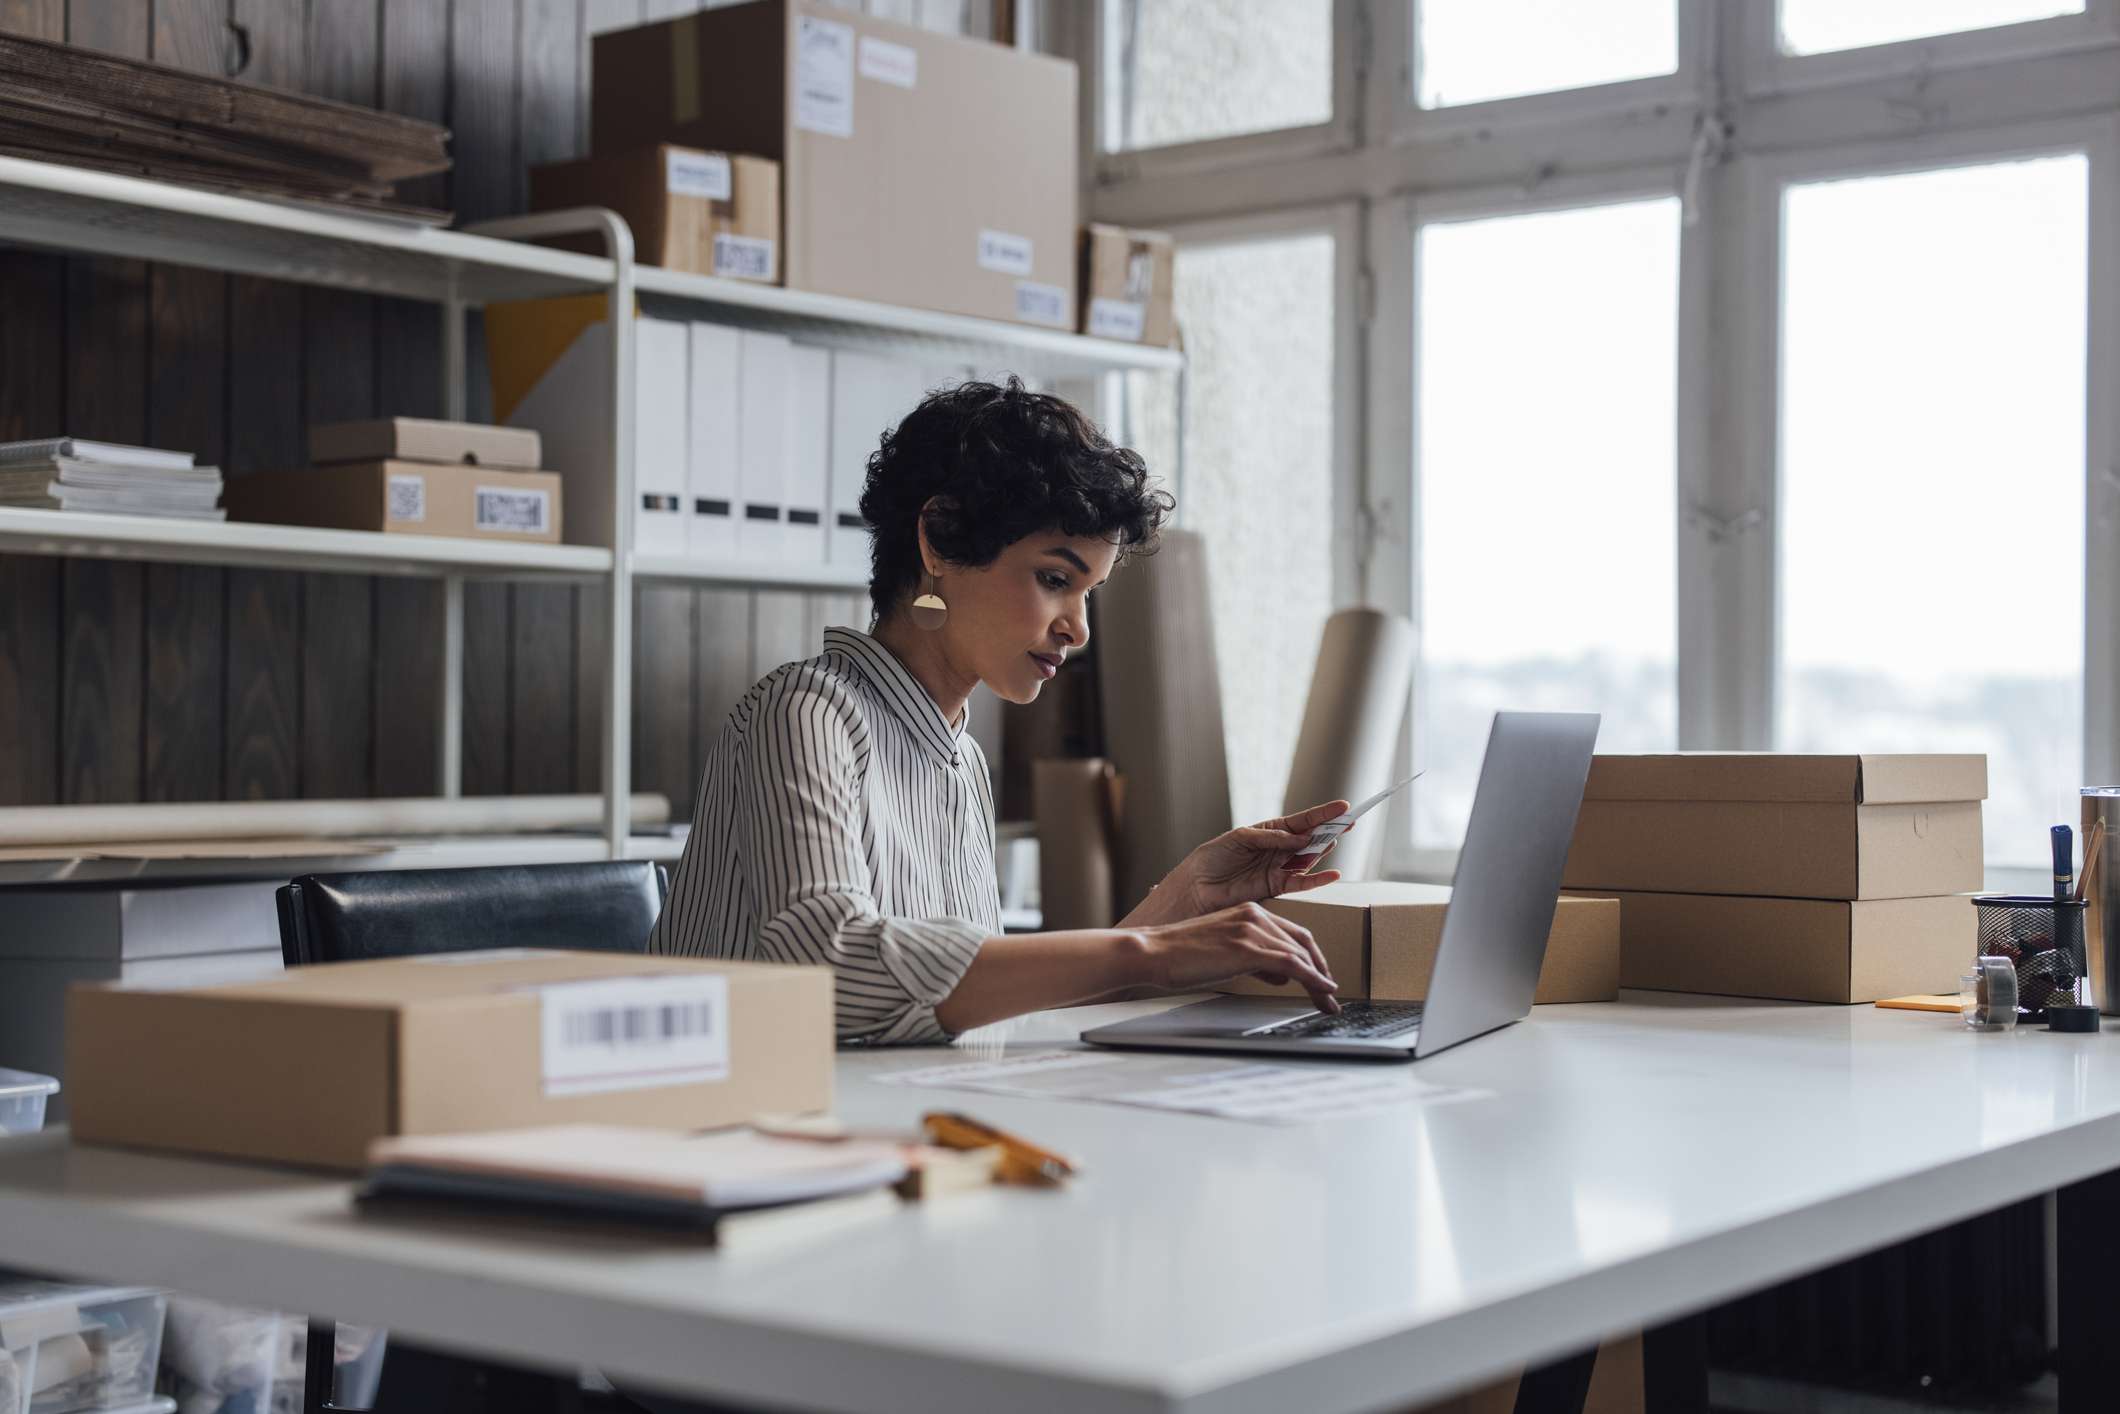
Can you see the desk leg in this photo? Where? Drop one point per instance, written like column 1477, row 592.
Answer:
column 1675, row 1367
column 2086, row 1256
column 1558, row 1388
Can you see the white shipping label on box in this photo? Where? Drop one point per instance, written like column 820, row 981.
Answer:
column 885, row 62
column 634, row 1033
column 1041, row 304
column 1117, row 319
column 511, row 510
column 743, row 257
column 701, row 174
column 406, row 498
column 1007, row 253
column 824, row 76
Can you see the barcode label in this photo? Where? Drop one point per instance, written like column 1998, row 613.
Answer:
column 1041, row 304
column 406, row 498
column 634, row 1033
column 743, row 257
column 1010, row 254
column 511, row 512
column 701, row 174
column 1117, row 319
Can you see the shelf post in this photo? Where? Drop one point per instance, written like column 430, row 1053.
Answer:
column 449, row 746
column 455, row 393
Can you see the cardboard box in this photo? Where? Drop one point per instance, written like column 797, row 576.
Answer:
column 425, row 439
column 310, row 1066
column 1802, row 950
column 414, row 498
column 712, row 213
column 1128, row 285
column 1380, row 938
column 1821, row 827
column 917, row 168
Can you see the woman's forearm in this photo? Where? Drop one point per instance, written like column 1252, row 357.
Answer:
column 1039, row 970
column 1170, row 901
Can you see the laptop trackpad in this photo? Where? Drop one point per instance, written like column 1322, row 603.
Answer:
column 1226, row 1015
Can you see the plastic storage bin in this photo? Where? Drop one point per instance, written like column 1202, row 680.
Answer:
column 22, row 1097
column 67, row 1349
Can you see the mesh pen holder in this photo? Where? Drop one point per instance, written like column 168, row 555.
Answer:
column 2042, row 938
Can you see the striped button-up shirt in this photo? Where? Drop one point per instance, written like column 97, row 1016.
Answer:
column 843, row 820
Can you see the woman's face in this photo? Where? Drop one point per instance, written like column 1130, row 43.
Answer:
column 1014, row 622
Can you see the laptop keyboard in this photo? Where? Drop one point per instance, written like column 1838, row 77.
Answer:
column 1356, row 1020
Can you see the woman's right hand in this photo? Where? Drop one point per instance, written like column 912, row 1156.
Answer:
column 1241, row 941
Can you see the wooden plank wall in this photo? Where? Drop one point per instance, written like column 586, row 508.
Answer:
column 124, row 682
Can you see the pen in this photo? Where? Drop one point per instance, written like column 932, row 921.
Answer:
column 2064, row 868
column 1023, row 1160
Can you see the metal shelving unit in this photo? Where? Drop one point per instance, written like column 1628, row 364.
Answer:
column 81, row 212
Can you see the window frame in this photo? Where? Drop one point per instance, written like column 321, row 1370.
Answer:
column 1337, row 133
column 1769, row 70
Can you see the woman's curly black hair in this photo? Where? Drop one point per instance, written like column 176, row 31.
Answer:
column 990, row 464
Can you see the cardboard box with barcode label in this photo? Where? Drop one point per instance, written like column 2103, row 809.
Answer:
column 916, row 168
column 413, row 498
column 310, row 1066
column 710, row 213
column 1786, row 826
column 1127, row 285
column 1380, row 939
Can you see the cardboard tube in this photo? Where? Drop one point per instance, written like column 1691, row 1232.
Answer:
column 260, row 819
column 1358, row 700
column 1074, row 801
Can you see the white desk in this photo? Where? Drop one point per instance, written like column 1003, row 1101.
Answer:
column 1637, row 1161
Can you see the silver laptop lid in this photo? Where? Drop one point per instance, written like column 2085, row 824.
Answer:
column 1508, row 876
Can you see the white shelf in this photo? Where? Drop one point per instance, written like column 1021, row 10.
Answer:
column 93, row 535
column 760, row 573
column 449, row 852
column 897, row 332
column 82, row 212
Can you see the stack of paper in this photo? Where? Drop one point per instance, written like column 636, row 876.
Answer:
column 72, row 474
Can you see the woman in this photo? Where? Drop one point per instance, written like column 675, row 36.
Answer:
column 845, row 818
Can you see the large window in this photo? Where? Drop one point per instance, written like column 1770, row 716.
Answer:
column 1545, row 419
column 1932, row 454
column 1180, row 71
column 1472, row 51
column 1258, row 483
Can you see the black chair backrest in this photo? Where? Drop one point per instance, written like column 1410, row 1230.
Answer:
column 605, row 906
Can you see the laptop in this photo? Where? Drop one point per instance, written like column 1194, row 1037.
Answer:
column 1494, row 931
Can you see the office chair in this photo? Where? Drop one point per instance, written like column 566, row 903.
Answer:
column 605, row 906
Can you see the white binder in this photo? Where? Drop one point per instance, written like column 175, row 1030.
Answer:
column 762, row 443
column 713, row 447
column 869, row 396
column 809, row 451
column 659, row 437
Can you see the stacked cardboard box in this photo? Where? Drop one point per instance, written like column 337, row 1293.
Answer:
column 1810, row 878
column 415, row 476
column 709, row 213
column 916, row 168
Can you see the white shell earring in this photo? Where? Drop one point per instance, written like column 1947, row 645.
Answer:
column 929, row 611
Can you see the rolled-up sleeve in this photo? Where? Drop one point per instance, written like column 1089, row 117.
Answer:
column 800, row 853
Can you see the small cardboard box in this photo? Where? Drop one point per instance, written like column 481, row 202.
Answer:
column 1380, row 938
column 711, row 213
column 1801, row 950
column 416, row 498
column 1818, row 827
column 425, row 439
column 916, row 168
column 310, row 1066
column 1127, row 285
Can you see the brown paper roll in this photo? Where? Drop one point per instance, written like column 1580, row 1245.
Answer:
column 1075, row 804
column 1358, row 700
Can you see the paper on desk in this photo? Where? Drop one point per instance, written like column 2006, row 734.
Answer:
column 1262, row 1094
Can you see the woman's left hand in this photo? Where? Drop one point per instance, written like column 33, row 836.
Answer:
column 1252, row 863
